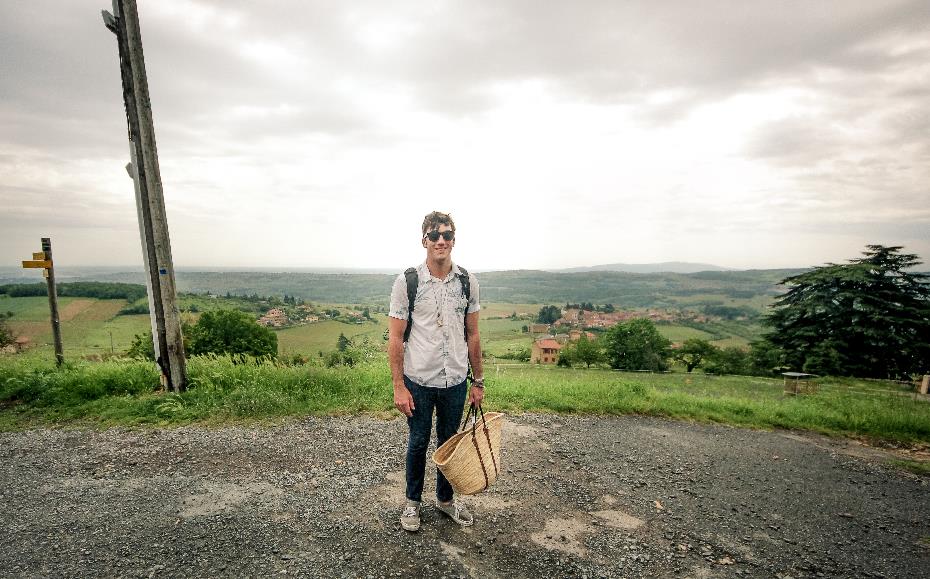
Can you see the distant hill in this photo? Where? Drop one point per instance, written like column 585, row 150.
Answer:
column 698, row 291
column 664, row 267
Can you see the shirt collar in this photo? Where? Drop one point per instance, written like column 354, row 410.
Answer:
column 423, row 272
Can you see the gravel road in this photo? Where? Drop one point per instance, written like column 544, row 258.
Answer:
column 578, row 497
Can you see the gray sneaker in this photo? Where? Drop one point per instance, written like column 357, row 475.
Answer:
column 410, row 518
column 457, row 512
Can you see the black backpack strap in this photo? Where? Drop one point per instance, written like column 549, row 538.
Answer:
column 413, row 280
column 466, row 283
column 466, row 291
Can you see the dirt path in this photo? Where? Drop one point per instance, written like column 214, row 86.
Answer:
column 579, row 497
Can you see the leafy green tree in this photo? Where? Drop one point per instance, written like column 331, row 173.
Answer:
column 636, row 345
column 343, row 343
column 548, row 314
column 583, row 351
column 869, row 317
column 766, row 359
column 231, row 332
column 729, row 360
column 693, row 352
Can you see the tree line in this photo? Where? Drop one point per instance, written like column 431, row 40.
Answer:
column 83, row 289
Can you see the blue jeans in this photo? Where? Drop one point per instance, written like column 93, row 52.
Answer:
column 448, row 403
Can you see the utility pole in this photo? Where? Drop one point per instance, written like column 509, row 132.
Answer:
column 43, row 260
column 153, row 223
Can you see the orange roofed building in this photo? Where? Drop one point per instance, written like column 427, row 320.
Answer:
column 545, row 351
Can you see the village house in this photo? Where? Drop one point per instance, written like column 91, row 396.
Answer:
column 275, row 318
column 545, row 351
column 575, row 335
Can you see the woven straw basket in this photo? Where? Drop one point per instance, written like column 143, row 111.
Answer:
column 471, row 459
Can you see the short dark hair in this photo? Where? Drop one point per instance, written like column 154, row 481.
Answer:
column 435, row 219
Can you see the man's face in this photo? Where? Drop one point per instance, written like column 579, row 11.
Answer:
column 441, row 248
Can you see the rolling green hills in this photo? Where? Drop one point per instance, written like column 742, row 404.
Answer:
column 752, row 288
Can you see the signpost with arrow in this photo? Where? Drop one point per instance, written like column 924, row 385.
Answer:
column 43, row 260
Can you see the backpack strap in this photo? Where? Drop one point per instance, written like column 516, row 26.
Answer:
column 413, row 280
column 466, row 291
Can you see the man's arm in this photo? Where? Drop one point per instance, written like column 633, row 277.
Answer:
column 476, row 394
column 403, row 400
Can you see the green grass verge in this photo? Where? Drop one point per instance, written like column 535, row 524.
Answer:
column 914, row 466
column 122, row 392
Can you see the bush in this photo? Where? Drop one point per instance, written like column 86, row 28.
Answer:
column 6, row 334
column 231, row 332
column 142, row 347
column 351, row 353
column 519, row 354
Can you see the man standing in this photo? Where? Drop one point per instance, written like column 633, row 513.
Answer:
column 430, row 358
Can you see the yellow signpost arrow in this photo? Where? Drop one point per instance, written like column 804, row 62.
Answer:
column 37, row 264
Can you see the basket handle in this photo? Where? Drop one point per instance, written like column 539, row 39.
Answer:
column 474, row 410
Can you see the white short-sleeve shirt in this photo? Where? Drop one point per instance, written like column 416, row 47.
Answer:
column 436, row 353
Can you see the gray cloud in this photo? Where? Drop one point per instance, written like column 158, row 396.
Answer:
column 230, row 77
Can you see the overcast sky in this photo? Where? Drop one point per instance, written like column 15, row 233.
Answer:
column 557, row 134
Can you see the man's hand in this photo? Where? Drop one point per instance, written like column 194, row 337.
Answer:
column 475, row 396
column 403, row 400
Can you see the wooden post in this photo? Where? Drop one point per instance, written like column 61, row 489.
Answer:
column 53, row 300
column 924, row 384
column 166, row 318
column 43, row 260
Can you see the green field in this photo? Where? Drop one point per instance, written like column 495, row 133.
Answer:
column 494, row 310
column 677, row 333
column 31, row 308
column 310, row 339
column 91, row 327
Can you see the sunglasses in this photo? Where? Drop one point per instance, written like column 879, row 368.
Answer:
column 434, row 235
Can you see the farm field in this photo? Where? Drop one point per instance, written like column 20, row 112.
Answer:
column 677, row 333
column 92, row 327
column 310, row 339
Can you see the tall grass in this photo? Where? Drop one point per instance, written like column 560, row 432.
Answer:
column 124, row 392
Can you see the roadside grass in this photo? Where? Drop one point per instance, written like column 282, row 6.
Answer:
column 915, row 466
column 123, row 392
